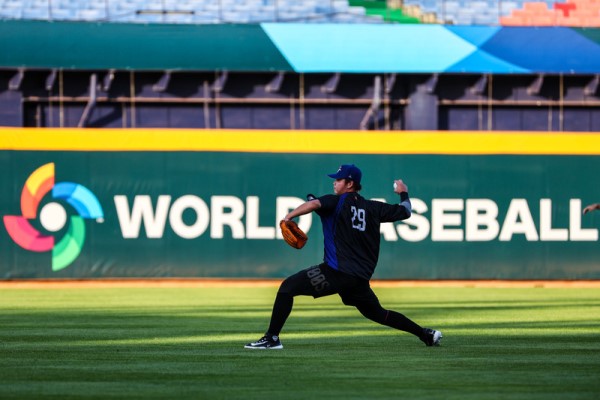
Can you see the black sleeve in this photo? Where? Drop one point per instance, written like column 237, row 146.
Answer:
column 396, row 212
column 328, row 204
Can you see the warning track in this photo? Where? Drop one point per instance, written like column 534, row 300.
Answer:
column 222, row 282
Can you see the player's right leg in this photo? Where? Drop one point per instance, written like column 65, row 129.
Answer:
column 312, row 281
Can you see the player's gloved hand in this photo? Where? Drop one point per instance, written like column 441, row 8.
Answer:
column 292, row 234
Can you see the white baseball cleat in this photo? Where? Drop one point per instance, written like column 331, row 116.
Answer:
column 431, row 337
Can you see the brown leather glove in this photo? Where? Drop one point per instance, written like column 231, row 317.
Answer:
column 292, row 234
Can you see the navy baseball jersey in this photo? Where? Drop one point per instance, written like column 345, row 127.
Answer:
column 351, row 230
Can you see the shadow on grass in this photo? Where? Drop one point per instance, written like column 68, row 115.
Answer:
column 185, row 349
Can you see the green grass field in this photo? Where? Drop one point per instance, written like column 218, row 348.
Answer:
column 177, row 343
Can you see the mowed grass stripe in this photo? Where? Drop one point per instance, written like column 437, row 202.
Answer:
column 187, row 343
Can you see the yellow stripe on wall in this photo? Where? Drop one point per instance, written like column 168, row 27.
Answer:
column 287, row 141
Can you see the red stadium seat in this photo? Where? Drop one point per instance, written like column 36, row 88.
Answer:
column 565, row 8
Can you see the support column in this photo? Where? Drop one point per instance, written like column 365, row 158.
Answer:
column 421, row 113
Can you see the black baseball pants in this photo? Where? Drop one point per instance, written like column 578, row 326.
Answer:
column 322, row 280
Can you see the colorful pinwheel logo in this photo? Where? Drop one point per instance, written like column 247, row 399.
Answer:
column 53, row 216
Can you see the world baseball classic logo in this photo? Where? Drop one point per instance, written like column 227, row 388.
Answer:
column 53, row 216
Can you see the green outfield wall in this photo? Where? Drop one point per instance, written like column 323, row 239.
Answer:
column 300, row 47
column 85, row 203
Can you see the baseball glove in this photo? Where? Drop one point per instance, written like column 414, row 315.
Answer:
column 292, row 234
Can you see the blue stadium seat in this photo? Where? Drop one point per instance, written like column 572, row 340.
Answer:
column 186, row 11
column 470, row 12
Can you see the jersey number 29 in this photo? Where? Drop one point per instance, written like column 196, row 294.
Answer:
column 358, row 218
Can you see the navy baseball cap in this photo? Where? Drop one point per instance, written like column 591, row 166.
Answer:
column 347, row 171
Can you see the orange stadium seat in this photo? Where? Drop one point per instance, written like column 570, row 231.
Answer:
column 576, row 13
column 591, row 22
column 532, row 14
column 562, row 20
column 535, row 7
column 584, row 13
column 585, row 5
column 543, row 20
column 513, row 20
column 524, row 14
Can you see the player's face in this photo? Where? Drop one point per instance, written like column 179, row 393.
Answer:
column 341, row 186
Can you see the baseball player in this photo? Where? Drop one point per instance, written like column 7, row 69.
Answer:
column 351, row 235
column 591, row 207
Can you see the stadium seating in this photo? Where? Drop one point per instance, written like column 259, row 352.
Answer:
column 583, row 13
column 389, row 11
column 188, row 11
column 467, row 12
column 580, row 13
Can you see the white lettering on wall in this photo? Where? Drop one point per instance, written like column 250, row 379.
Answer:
column 199, row 207
column 416, row 228
column 142, row 211
column 547, row 232
column 226, row 211
column 253, row 231
column 481, row 220
column 445, row 220
column 445, row 213
column 576, row 232
column 518, row 221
